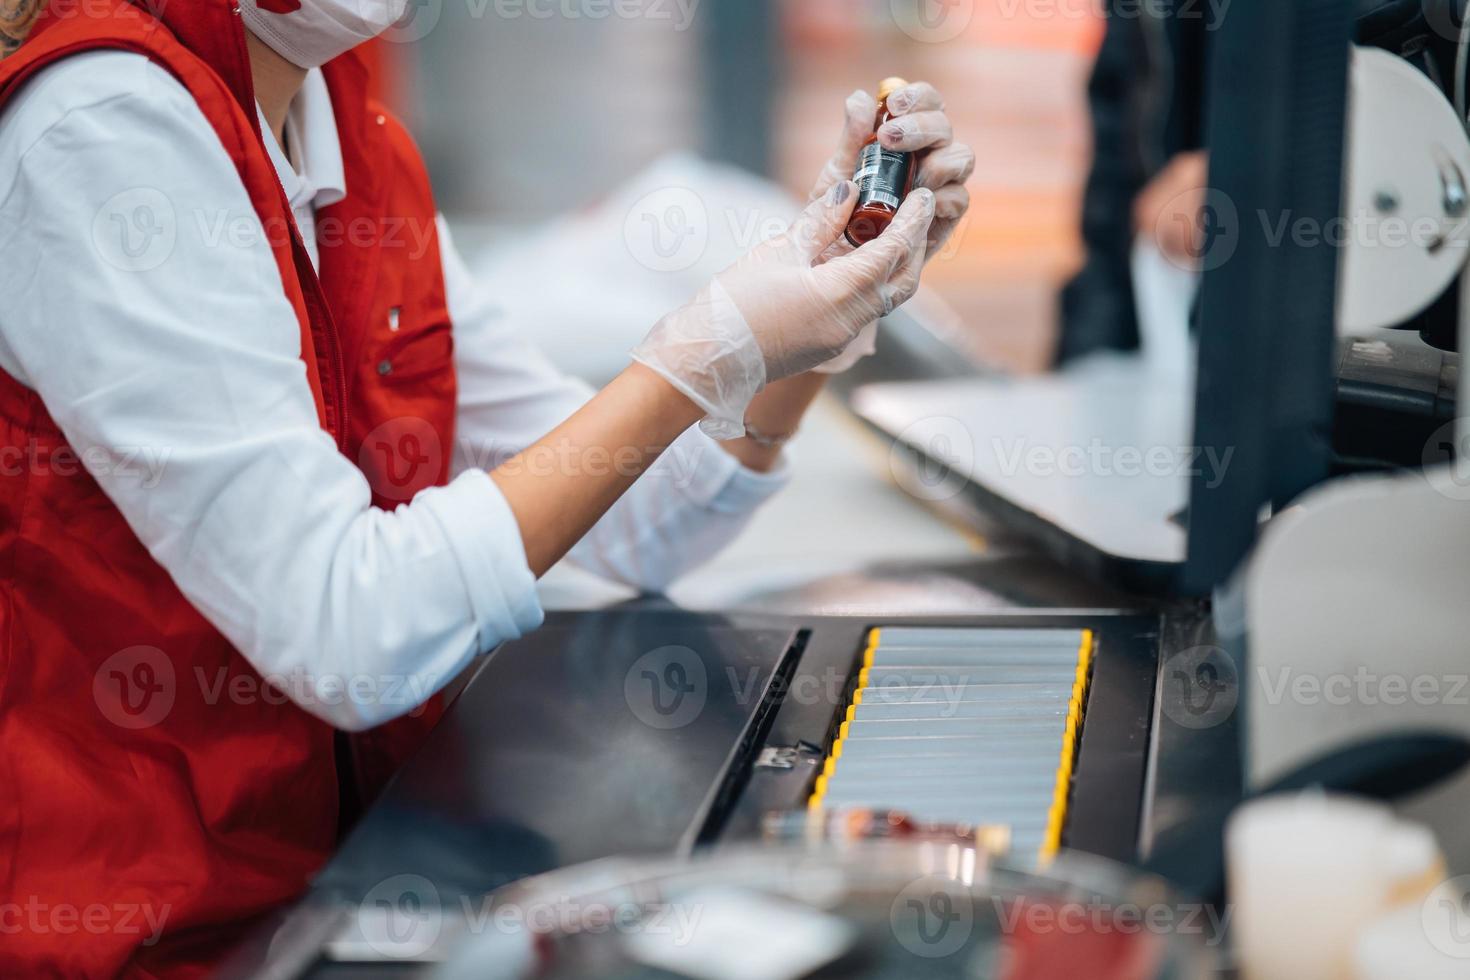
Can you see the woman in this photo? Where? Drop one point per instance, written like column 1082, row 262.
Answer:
column 274, row 471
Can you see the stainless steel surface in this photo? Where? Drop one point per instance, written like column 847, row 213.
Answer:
column 845, row 540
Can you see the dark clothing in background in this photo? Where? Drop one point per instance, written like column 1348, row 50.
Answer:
column 1146, row 97
column 1147, row 101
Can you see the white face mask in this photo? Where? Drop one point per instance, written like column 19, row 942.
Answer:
column 310, row 33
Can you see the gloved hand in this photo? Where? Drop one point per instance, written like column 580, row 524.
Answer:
column 774, row 314
column 921, row 126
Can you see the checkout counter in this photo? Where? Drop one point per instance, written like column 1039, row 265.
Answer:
column 553, row 754
column 990, row 664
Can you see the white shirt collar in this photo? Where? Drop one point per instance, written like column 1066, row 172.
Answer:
column 313, row 174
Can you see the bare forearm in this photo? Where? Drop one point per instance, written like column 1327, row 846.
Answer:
column 776, row 412
column 561, row 486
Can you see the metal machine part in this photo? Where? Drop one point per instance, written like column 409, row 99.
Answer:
column 1393, row 393
column 1406, row 197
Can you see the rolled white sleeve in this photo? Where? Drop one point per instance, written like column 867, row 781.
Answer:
column 142, row 302
column 691, row 503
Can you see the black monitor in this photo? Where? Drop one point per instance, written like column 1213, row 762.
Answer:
column 1276, row 132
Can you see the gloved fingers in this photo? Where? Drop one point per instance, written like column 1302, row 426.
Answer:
column 879, row 260
column 905, row 235
column 915, row 97
column 904, row 283
column 857, row 124
column 940, row 232
column 836, row 250
column 918, row 131
column 952, row 164
column 707, row 350
column 864, row 345
column 823, row 221
column 951, row 202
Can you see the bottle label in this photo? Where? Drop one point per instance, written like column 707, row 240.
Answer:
column 882, row 175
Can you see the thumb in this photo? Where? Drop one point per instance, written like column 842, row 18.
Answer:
column 823, row 220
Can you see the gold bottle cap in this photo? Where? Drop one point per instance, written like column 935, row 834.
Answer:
column 890, row 85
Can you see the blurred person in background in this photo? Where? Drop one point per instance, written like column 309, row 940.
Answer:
column 275, row 470
column 1148, row 187
column 1149, row 171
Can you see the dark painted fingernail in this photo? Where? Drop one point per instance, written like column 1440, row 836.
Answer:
column 838, row 194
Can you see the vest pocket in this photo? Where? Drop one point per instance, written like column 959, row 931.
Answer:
column 412, row 356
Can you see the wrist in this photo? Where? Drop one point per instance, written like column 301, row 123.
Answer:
column 776, row 414
column 663, row 399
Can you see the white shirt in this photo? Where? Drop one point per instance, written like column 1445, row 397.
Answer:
column 139, row 297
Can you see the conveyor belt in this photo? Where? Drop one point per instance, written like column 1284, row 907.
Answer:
column 965, row 726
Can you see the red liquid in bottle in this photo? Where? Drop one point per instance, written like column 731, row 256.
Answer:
column 884, row 177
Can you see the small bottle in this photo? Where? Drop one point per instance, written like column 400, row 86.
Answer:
column 883, row 177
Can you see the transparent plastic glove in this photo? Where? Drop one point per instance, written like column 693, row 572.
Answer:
column 774, row 314
column 866, row 345
column 920, row 126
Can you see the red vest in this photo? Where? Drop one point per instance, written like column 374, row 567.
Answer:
column 155, row 793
